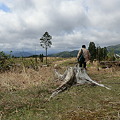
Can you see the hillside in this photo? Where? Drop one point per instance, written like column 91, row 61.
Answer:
column 116, row 48
column 65, row 54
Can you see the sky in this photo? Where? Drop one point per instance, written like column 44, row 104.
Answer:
column 71, row 23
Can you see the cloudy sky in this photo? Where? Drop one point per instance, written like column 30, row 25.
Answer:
column 71, row 23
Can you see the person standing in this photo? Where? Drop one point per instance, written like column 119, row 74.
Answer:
column 83, row 56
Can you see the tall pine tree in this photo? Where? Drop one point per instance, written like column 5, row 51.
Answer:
column 45, row 42
column 101, row 53
column 92, row 50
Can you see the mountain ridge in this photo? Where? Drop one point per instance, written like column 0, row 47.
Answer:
column 115, row 48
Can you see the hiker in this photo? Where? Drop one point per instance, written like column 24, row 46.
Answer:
column 83, row 56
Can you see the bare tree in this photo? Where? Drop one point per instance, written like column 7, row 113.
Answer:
column 45, row 42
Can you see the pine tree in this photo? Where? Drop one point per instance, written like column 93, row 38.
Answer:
column 92, row 50
column 45, row 42
column 105, row 52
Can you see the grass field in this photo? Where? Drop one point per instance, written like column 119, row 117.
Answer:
column 24, row 95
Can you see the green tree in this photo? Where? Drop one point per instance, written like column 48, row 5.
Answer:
column 97, row 53
column 105, row 52
column 92, row 50
column 101, row 53
column 45, row 42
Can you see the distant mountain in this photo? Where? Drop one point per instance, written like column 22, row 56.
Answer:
column 115, row 48
column 65, row 54
column 21, row 54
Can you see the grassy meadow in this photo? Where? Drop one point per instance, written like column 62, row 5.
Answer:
column 24, row 93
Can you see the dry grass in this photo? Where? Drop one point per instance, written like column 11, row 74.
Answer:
column 23, row 80
column 23, row 95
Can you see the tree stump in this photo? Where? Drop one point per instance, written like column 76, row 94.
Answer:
column 72, row 76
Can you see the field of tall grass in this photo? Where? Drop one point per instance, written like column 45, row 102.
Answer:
column 24, row 94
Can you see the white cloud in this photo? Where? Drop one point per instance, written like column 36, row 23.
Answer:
column 71, row 23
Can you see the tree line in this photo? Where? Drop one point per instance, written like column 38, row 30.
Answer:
column 99, row 53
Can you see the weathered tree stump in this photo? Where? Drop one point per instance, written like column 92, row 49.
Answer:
column 72, row 76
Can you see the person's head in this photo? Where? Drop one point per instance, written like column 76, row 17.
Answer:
column 83, row 46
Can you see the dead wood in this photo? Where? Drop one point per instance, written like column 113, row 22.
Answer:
column 74, row 75
column 109, row 64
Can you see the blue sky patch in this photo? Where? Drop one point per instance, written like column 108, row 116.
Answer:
column 4, row 7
